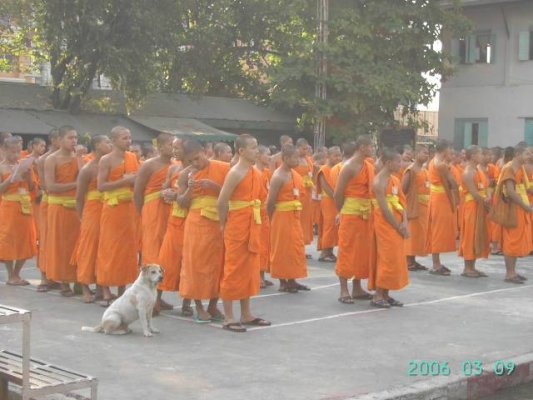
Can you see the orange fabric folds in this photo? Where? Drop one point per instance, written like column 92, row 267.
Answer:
column 265, row 222
column 306, row 173
column 242, row 237
column 327, row 230
column 415, row 244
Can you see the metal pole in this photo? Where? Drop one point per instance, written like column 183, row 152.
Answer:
column 320, row 88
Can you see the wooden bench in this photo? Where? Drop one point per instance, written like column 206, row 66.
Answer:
column 35, row 378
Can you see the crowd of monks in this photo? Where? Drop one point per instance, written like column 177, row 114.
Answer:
column 217, row 221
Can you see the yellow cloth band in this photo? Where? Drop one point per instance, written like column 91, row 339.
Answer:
column 482, row 193
column 152, row 196
column 393, row 201
column 307, row 181
column 65, row 201
column 291, row 205
column 357, row 206
column 177, row 211
column 44, row 199
column 235, row 205
column 423, row 198
column 94, row 195
column 437, row 189
column 207, row 206
column 113, row 197
column 23, row 199
column 521, row 190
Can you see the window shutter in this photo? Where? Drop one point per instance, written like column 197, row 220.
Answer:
column 471, row 50
column 528, row 133
column 493, row 48
column 468, row 134
column 523, row 46
column 483, row 134
column 454, row 48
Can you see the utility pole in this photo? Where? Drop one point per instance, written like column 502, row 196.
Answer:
column 322, row 70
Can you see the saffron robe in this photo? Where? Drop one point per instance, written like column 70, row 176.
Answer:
column 265, row 222
column 415, row 244
column 327, row 230
column 306, row 172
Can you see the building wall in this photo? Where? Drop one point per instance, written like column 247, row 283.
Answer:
column 497, row 96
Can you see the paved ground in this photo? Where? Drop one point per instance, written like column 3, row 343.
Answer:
column 316, row 348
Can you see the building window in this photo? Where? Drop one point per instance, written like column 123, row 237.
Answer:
column 525, row 45
column 478, row 48
column 528, row 131
column 471, row 131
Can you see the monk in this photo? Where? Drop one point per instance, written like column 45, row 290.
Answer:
column 151, row 208
column 284, row 207
column 390, row 224
column 442, row 220
column 3, row 137
column 263, row 161
column 46, row 284
column 415, row 185
column 516, row 241
column 208, row 147
column 239, row 210
column 407, row 160
column 305, row 169
column 63, row 224
column 275, row 160
column 318, row 160
column 353, row 201
column 89, row 208
column 327, row 233
column 203, row 244
column 171, row 251
column 475, row 240
column 116, row 259
column 135, row 148
column 38, row 148
column 222, row 152
column 17, row 230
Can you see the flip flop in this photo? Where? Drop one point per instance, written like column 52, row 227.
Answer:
column 201, row 321
column 394, row 303
column 521, row 277
column 421, row 267
column 217, row 317
column 258, row 322
column 299, row 286
column 515, row 279
column 234, row 327
column 42, row 288
column 441, row 271
column 380, row 303
column 366, row 296
column 67, row 293
column 22, row 282
column 187, row 312
column 328, row 259
column 346, row 300
column 292, row 289
column 470, row 275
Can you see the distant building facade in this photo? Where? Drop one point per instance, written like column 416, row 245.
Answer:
column 489, row 101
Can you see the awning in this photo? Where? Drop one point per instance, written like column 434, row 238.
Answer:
column 21, row 122
column 183, row 127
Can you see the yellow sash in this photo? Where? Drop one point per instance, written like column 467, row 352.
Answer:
column 307, row 181
column 177, row 211
column 23, row 199
column 393, row 201
column 152, row 196
column 207, row 206
column 437, row 189
column 113, row 197
column 94, row 195
column 291, row 205
column 235, row 205
column 482, row 193
column 44, row 199
column 423, row 198
column 522, row 191
column 357, row 206
column 65, row 201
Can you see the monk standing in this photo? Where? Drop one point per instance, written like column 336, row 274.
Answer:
column 305, row 169
column 263, row 161
column 353, row 200
column 516, row 241
column 442, row 220
column 171, row 252
column 475, row 240
column 60, row 174
column 116, row 260
column 17, row 230
column 327, row 234
column 284, row 206
column 3, row 137
column 239, row 210
column 222, row 152
column 275, row 160
column 89, row 208
column 415, row 185
column 203, row 243
column 390, row 224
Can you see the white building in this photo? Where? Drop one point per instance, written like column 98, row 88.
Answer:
column 489, row 101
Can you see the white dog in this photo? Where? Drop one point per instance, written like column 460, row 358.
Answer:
column 137, row 302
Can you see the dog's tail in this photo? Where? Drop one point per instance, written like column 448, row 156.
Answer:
column 96, row 329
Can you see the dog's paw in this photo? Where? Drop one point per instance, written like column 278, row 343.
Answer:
column 148, row 334
column 154, row 330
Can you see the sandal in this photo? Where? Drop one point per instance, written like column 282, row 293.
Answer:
column 521, row 277
column 234, row 327
column 380, row 303
column 258, row 322
column 366, row 296
column 346, row 300
column 299, row 286
column 421, row 267
column 394, row 303
column 328, row 258
column 471, row 275
column 440, row 271
column 67, row 293
column 187, row 311
column 42, row 288
column 201, row 321
column 217, row 317
column 515, row 279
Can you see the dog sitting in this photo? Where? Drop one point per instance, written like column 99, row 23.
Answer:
column 137, row 302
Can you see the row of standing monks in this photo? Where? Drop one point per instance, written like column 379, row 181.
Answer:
column 217, row 227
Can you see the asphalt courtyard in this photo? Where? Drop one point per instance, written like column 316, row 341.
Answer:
column 316, row 348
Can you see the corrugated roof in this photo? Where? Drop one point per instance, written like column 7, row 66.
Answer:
column 470, row 3
column 22, row 122
column 183, row 127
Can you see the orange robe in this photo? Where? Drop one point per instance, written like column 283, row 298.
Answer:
column 242, row 237
column 43, row 225
column 457, row 172
column 415, row 244
column 63, row 226
column 87, row 247
column 327, row 230
column 116, row 260
column 203, row 243
column 442, row 217
column 17, row 229
column 171, row 252
column 475, row 240
column 265, row 222
column 517, row 242
column 335, row 172
column 287, row 247
column 496, row 231
column 306, row 172
column 154, row 218
column 390, row 268
column 355, row 228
